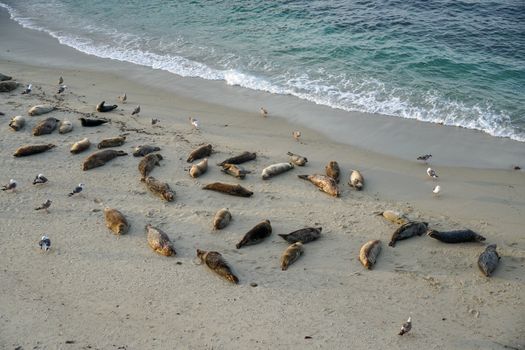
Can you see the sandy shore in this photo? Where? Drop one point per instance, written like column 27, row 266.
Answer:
column 100, row 291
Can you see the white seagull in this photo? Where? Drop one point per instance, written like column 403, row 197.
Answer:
column 45, row 243
column 194, row 122
column 436, row 190
column 77, row 189
column 28, row 89
column 264, row 112
column 40, row 179
column 123, row 98
column 136, row 110
column 10, row 186
column 296, row 134
column 61, row 88
column 432, row 173
column 406, row 327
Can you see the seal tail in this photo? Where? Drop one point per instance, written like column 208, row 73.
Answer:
column 304, row 177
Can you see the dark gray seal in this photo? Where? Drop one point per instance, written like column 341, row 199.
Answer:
column 489, row 260
column 303, row 235
column 457, row 236
column 101, row 107
column 408, row 230
column 241, row 158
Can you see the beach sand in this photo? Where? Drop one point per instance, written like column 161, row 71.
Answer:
column 94, row 290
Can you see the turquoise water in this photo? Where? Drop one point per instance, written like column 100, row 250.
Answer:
column 453, row 62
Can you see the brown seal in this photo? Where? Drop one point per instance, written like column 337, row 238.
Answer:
column 112, row 142
column 239, row 159
column 408, row 230
column 46, row 126
column 256, row 235
column 323, row 182
column 80, row 146
column 100, row 158
column 199, row 168
column 456, row 236
column 369, row 252
column 32, row 149
column 303, row 235
column 234, row 170
column 159, row 241
column 40, row 109
column 160, row 188
column 65, row 127
column 276, row 169
column 332, row 170
column 221, row 219
column 291, row 254
column 356, row 180
column 394, row 217
column 233, row 190
column 141, row 151
column 17, row 123
column 201, row 152
column 116, row 221
column 489, row 260
column 216, row 262
column 297, row 159
column 147, row 164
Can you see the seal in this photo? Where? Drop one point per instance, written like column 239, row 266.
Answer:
column 369, row 252
column 4, row 77
column 112, row 142
column 100, row 158
column 332, row 170
column 216, row 262
column 201, row 152
column 233, row 190
column 116, row 221
column 32, row 149
column 80, row 146
column 101, row 107
column 297, row 159
column 239, row 159
column 160, row 188
column 304, row 235
column 91, row 122
column 457, row 236
column 290, row 255
column 489, row 260
column 221, row 219
column 40, row 109
column 142, row 150
column 159, row 241
column 199, row 168
column 256, row 235
column 394, row 217
column 323, row 182
column 17, row 123
column 45, row 127
column 7, row 86
column 147, row 164
column 65, row 127
column 356, row 180
column 408, row 230
column 276, row 169
column 234, row 170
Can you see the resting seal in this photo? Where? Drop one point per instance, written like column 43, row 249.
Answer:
column 160, row 188
column 234, row 170
column 489, row 260
column 101, row 107
column 159, row 241
column 199, row 168
column 297, row 159
column 216, row 262
column 65, row 127
column 141, row 151
column 147, row 164
column 100, row 158
column 241, row 158
column 116, row 221
column 233, row 190
column 92, row 122
column 256, row 235
column 323, row 182
column 221, row 219
column 332, row 170
column 40, row 109
column 356, row 180
column 32, row 149
column 201, row 152
column 276, row 169
column 80, row 146
column 369, row 252
column 303, row 235
column 291, row 254
column 17, row 123
column 458, row 236
column 112, row 142
column 408, row 230
column 45, row 127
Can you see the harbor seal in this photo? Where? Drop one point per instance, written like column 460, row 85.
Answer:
column 256, row 235
column 291, row 254
column 45, row 127
column 304, row 235
column 32, row 149
column 332, row 170
column 394, row 217
column 80, row 146
column 100, row 158
column 101, row 107
column 4, row 77
column 297, row 159
column 239, row 159
column 198, row 169
column 276, row 169
column 112, row 142
column 356, row 180
column 160, row 188
column 233, row 190
column 369, row 252
column 221, row 219
column 234, row 170
column 323, row 182
column 142, row 150
column 201, row 152
column 65, row 127
column 116, row 221
column 7, row 86
column 408, row 230
column 217, row 264
column 17, row 123
column 159, row 241
column 147, row 164
column 489, row 260
column 91, row 122
column 457, row 236
column 40, row 109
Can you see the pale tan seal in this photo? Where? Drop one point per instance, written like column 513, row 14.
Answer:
column 304, row 235
column 17, row 123
column 276, row 169
column 221, row 219
column 65, row 127
column 332, row 170
column 369, row 252
column 116, row 221
column 297, row 159
column 40, row 109
column 32, row 149
column 489, row 260
column 256, row 235
column 323, row 182
column 112, row 142
column 198, row 169
column 239, row 159
column 201, row 152
column 233, row 190
column 147, row 164
column 159, row 241
column 394, row 217
column 356, row 180
column 100, row 158
column 234, row 170
column 45, row 127
column 80, row 146
column 217, row 264
column 291, row 254
column 160, row 188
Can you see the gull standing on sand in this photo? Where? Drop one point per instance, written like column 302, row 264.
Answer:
column 123, row 98
column 406, row 327
column 296, row 135
column 60, row 81
column 264, row 112
column 436, row 190
column 45, row 206
column 40, row 179
column 77, row 189
column 28, row 89
column 194, row 122
column 432, row 173
column 61, row 88
column 45, row 243
column 10, row 186
column 425, row 157
column 136, row 110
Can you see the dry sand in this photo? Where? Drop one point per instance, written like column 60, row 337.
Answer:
column 100, row 291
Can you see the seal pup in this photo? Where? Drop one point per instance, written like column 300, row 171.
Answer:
column 304, row 235
column 241, row 158
column 123, row 98
column 90, row 122
column 436, row 190
column 256, row 235
column 369, row 252
column 159, row 188
column 80, row 146
column 216, row 262
column 45, row 243
column 264, row 112
column 100, row 158
column 233, row 190
column 101, row 107
column 112, row 142
column 406, row 327
column 296, row 135
column 201, row 152
column 45, row 206
column 17, row 123
column 28, row 89
column 297, row 159
column 147, row 164
column 408, row 230
column 424, row 157
column 291, row 254
column 356, row 180
column 332, row 170
column 489, row 260
column 65, row 127
column 32, row 149
column 7, row 86
column 276, row 169
column 116, row 221
column 432, row 173
column 142, row 150
column 457, row 236
column 40, row 109
column 40, row 179
column 45, row 127
column 11, row 186
column 136, row 111
column 194, row 122
column 159, row 241
column 199, row 168
column 323, row 182
column 394, row 217
column 77, row 189
column 221, row 219
column 234, row 170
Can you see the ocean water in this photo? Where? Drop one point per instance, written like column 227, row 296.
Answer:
column 455, row 62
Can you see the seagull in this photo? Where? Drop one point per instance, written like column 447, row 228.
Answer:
column 45, row 243
column 406, row 327
column 40, row 179
column 123, row 98
column 264, row 112
column 77, row 189
column 10, row 186
column 436, row 190
column 28, row 89
column 61, row 88
column 425, row 157
column 136, row 110
column 194, row 122
column 60, row 81
column 45, row 206
column 154, row 121
column 432, row 173
column 296, row 134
